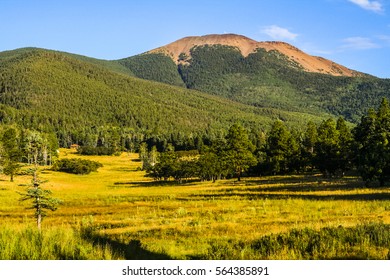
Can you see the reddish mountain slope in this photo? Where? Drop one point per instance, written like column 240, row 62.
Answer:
column 246, row 46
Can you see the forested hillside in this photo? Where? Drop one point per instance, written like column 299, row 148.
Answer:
column 269, row 79
column 85, row 101
column 155, row 66
column 111, row 65
column 153, row 98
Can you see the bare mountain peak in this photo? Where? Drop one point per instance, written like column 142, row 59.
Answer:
column 184, row 45
column 246, row 46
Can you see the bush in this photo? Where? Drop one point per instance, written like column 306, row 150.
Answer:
column 76, row 166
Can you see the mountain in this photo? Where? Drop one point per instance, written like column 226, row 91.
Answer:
column 182, row 48
column 114, row 66
column 261, row 74
column 177, row 93
column 83, row 99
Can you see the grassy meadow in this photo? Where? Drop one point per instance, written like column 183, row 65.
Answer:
column 118, row 213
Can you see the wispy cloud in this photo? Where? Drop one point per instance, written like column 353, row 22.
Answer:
column 279, row 33
column 374, row 6
column 385, row 38
column 359, row 43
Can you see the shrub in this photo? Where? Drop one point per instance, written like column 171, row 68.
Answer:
column 76, row 166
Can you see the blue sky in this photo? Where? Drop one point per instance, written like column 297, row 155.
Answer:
column 355, row 33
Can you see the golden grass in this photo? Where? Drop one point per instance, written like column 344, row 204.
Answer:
column 180, row 220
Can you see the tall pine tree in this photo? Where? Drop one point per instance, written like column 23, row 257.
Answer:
column 41, row 198
column 238, row 153
column 372, row 137
column 11, row 152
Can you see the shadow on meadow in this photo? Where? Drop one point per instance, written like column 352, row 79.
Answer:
column 150, row 184
column 253, row 196
column 132, row 184
column 278, row 187
column 132, row 250
column 289, row 189
column 309, row 188
column 306, row 183
column 124, row 169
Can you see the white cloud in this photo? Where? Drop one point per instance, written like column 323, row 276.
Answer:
column 279, row 33
column 374, row 6
column 359, row 43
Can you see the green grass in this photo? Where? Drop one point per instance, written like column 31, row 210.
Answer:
column 133, row 217
column 59, row 243
column 368, row 241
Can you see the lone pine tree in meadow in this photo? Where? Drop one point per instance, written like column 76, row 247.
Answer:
column 41, row 199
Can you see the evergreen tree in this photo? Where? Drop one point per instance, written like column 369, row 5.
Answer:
column 365, row 150
column 383, row 141
column 41, row 199
column 372, row 136
column 208, row 166
column 345, row 146
column 212, row 164
column 11, row 152
column 295, row 160
column 239, row 151
column 166, row 166
column 309, row 141
column 278, row 148
column 327, row 148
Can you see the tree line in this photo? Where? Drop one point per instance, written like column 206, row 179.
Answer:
column 21, row 146
column 331, row 147
column 34, row 148
column 232, row 156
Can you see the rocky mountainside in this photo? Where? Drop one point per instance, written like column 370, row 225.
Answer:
column 315, row 64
